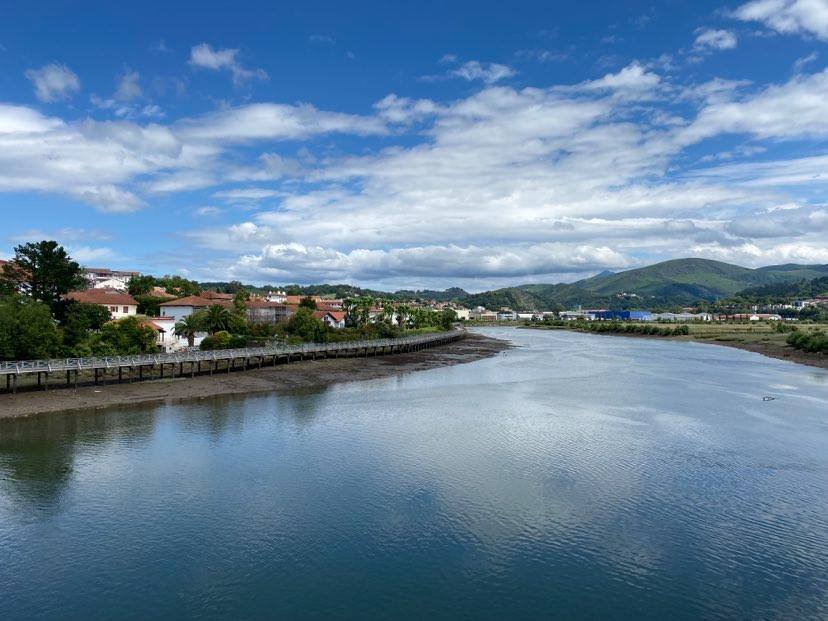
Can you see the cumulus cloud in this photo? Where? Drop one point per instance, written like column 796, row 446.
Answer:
column 293, row 260
column 711, row 39
column 54, row 82
column 788, row 16
column 205, row 57
column 503, row 183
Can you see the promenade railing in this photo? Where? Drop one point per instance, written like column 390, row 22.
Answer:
column 25, row 367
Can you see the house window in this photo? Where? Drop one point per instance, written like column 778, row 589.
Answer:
column 126, row 310
column 113, row 309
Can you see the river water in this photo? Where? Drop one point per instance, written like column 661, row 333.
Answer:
column 576, row 476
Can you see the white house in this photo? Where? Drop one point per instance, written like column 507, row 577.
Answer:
column 184, row 307
column 333, row 319
column 118, row 303
column 104, row 278
column 167, row 339
column 463, row 314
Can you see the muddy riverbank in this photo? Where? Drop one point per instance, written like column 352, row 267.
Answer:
column 283, row 378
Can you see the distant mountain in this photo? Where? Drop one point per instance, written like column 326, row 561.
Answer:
column 679, row 282
column 672, row 283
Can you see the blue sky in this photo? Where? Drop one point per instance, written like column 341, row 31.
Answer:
column 415, row 144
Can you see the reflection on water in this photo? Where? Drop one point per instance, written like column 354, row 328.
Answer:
column 577, row 476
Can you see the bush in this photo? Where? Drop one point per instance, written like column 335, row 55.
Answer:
column 814, row 342
column 219, row 340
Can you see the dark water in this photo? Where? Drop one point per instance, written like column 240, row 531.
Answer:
column 576, row 477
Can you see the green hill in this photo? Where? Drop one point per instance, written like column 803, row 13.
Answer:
column 672, row 283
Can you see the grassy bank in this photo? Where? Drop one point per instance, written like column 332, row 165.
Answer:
column 801, row 343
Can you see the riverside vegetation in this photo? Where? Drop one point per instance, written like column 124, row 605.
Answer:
column 773, row 338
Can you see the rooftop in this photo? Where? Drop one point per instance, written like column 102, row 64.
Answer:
column 102, row 296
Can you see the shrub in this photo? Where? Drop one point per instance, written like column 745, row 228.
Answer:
column 219, row 340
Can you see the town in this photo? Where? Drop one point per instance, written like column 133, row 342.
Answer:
column 104, row 311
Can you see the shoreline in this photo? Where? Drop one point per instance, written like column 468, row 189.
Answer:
column 285, row 378
column 769, row 350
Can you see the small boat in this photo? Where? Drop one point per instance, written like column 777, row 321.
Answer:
column 768, row 398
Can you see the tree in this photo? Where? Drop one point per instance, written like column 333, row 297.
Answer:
column 44, row 271
column 27, row 330
column 218, row 318
column 307, row 302
column 447, row 318
column 403, row 315
column 140, row 285
column 126, row 336
column 189, row 326
column 304, row 325
column 240, row 303
column 149, row 305
column 80, row 320
column 179, row 286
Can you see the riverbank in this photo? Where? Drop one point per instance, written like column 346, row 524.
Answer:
column 757, row 339
column 283, row 378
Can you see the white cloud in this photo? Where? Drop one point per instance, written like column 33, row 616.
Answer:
column 712, row 39
column 505, row 183
column 87, row 255
column 489, row 73
column 632, row 78
column 798, row 108
column 802, row 62
column 247, row 194
column 275, row 122
column 204, row 56
column 128, row 87
column 297, row 261
column 208, row 211
column 54, row 82
column 788, row 16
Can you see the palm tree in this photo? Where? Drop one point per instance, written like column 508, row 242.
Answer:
column 217, row 318
column 188, row 327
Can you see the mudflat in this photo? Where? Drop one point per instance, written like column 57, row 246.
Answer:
column 283, row 378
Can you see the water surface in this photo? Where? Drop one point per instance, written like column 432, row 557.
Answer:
column 577, row 476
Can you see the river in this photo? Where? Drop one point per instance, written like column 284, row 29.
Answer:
column 575, row 476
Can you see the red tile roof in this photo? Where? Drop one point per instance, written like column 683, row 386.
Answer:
column 214, row 295
column 338, row 316
column 105, row 297
column 196, row 301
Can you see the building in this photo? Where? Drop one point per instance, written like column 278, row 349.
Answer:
column 622, row 315
column 577, row 315
column 277, row 296
column 463, row 314
column 260, row 310
column 104, row 278
column 682, row 317
column 322, row 303
column 184, row 307
column 482, row 315
column 215, row 295
column 332, row 319
column 160, row 292
column 118, row 303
